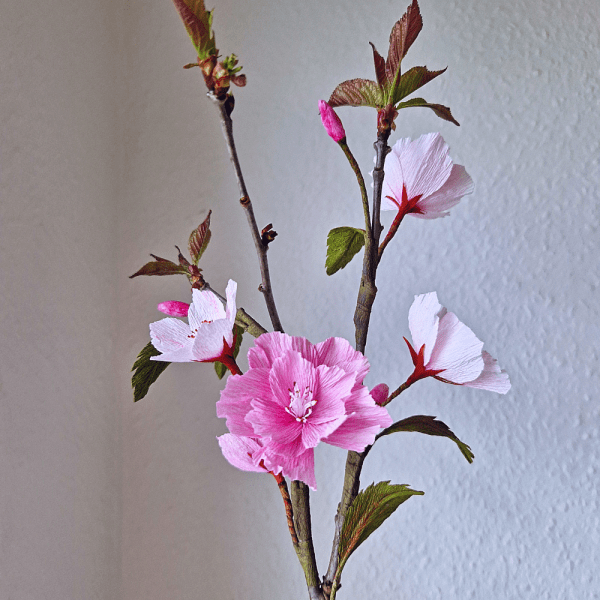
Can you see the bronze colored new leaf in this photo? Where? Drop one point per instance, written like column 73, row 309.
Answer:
column 199, row 239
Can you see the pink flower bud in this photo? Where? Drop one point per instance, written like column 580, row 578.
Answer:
column 380, row 394
column 331, row 122
column 174, row 308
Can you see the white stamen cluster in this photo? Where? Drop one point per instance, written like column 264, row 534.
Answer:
column 301, row 403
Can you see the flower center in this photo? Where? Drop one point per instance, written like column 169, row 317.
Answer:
column 301, row 403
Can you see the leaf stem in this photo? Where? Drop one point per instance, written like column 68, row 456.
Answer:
column 261, row 247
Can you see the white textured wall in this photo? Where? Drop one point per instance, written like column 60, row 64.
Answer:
column 60, row 480
column 516, row 261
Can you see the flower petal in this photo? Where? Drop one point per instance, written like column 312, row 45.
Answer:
column 172, row 338
column 436, row 205
column 457, row 350
column 230, row 292
column 209, row 339
column 269, row 346
column 239, row 451
column 206, row 307
column 338, row 352
column 491, row 378
column 423, row 321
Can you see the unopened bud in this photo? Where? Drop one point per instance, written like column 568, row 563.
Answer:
column 331, row 122
column 380, row 394
column 173, row 308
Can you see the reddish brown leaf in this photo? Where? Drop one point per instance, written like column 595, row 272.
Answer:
column 199, row 239
column 403, row 34
column 160, row 267
column 198, row 23
column 441, row 111
column 379, row 66
column 357, row 92
column 412, row 80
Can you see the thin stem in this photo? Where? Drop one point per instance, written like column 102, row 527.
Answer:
column 397, row 392
column 391, row 233
column 289, row 511
column 261, row 247
column 305, row 550
column 361, row 184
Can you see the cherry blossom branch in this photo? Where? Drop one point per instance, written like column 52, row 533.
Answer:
column 289, row 511
column 366, row 296
column 260, row 245
column 305, row 550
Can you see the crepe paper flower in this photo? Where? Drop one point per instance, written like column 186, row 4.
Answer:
column 208, row 335
column 331, row 122
column 380, row 394
column 421, row 180
column 297, row 394
column 174, row 308
column 446, row 349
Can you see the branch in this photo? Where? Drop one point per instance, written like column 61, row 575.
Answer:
column 362, row 316
column 261, row 247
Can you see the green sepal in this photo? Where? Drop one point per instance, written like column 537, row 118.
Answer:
column 441, row 111
column 367, row 512
column 146, row 371
column 343, row 243
column 220, row 368
column 429, row 426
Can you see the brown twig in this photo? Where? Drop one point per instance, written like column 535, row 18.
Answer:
column 261, row 247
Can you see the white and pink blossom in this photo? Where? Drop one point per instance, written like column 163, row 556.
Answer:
column 445, row 348
column 206, row 337
column 421, row 180
column 295, row 395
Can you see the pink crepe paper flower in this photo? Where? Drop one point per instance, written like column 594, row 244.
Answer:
column 421, row 180
column 208, row 335
column 331, row 122
column 448, row 350
column 295, row 395
column 174, row 308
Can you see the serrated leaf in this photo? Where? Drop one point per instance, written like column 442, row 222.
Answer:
column 357, row 92
column 343, row 243
column 199, row 239
column 220, row 368
column 441, row 111
column 429, row 426
column 367, row 512
column 403, row 34
column 198, row 23
column 146, row 371
column 412, row 80
column 379, row 66
column 160, row 267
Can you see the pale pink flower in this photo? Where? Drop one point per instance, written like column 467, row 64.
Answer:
column 331, row 122
column 174, row 308
column 208, row 335
column 421, row 180
column 445, row 348
column 295, row 395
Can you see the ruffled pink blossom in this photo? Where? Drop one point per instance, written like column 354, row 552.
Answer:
column 208, row 335
column 331, row 122
column 445, row 348
column 421, row 180
column 295, row 395
column 174, row 308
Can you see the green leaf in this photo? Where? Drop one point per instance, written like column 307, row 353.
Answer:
column 199, row 239
column 146, row 371
column 429, row 426
column 342, row 244
column 220, row 368
column 198, row 24
column 368, row 511
column 357, row 92
column 412, row 80
column 441, row 111
column 403, row 34
column 160, row 266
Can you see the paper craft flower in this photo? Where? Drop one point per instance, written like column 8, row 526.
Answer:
column 174, row 308
column 421, row 180
column 208, row 335
column 297, row 394
column 331, row 122
column 448, row 350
